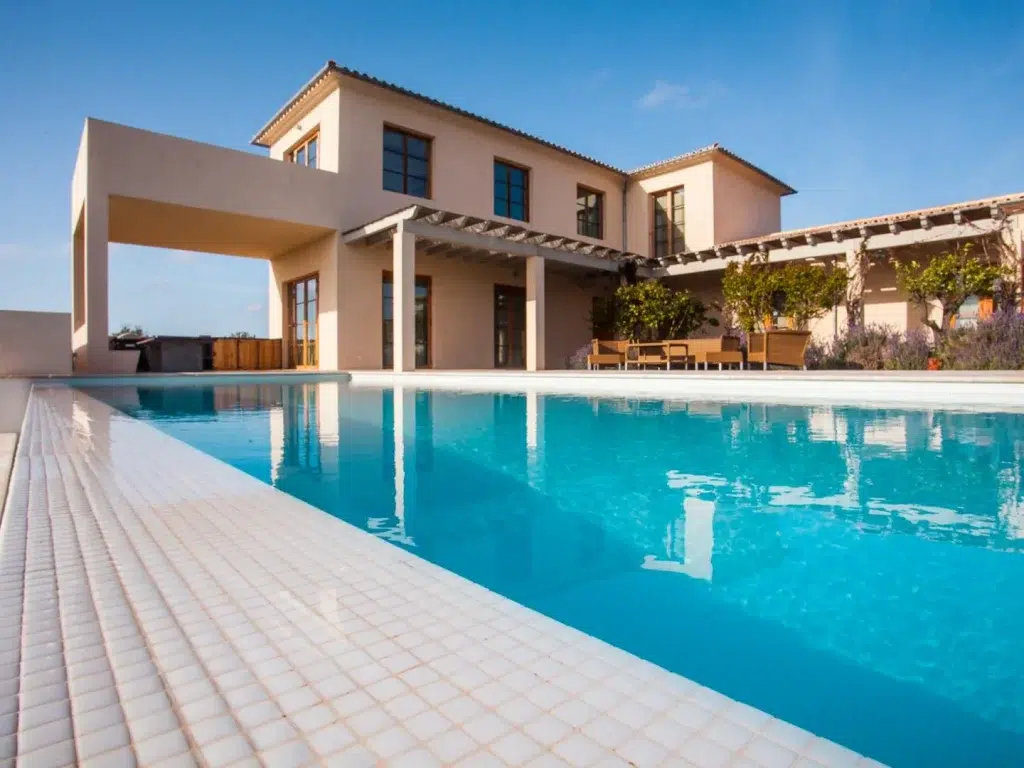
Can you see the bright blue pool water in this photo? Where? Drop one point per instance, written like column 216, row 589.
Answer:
column 857, row 572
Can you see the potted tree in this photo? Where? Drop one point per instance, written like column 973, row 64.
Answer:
column 948, row 279
column 755, row 291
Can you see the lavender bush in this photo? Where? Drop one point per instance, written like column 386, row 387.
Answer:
column 994, row 344
column 871, row 348
column 908, row 351
column 577, row 361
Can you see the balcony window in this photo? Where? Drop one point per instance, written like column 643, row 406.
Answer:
column 511, row 191
column 406, row 162
column 668, row 230
column 306, row 152
column 589, row 212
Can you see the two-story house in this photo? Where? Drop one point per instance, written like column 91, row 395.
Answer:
column 405, row 233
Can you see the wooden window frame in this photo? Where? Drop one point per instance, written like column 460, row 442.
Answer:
column 508, row 189
column 303, row 143
column 671, row 192
column 387, row 276
column 406, row 135
column 582, row 190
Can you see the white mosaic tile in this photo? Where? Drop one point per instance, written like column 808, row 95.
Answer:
column 169, row 610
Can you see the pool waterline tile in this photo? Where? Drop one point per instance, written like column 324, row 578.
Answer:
column 191, row 609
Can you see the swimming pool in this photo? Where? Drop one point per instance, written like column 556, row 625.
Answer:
column 856, row 572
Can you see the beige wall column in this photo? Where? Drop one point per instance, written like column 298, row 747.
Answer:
column 535, row 330
column 89, row 287
column 404, row 300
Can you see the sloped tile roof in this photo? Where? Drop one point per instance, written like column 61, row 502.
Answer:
column 333, row 69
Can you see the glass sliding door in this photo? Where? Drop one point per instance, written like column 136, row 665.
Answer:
column 422, row 321
column 303, row 333
column 509, row 326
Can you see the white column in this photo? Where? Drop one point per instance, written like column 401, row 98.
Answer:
column 534, row 437
column 404, row 416
column 404, row 300
column 89, row 288
column 535, row 313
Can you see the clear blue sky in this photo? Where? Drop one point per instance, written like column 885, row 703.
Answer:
column 864, row 107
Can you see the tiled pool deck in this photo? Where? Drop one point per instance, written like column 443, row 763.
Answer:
column 163, row 608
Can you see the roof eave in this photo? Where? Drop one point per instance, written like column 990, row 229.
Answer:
column 261, row 138
column 703, row 155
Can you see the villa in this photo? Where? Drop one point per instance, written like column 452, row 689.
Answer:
column 406, row 555
column 403, row 232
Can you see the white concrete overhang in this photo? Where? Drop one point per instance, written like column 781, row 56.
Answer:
column 453, row 233
column 929, row 225
column 167, row 192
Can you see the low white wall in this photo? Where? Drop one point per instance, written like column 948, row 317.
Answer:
column 35, row 343
column 960, row 390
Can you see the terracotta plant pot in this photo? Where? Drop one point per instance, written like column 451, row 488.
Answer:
column 934, row 364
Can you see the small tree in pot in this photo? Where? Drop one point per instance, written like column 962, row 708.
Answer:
column 651, row 311
column 949, row 278
column 811, row 291
column 754, row 291
column 748, row 289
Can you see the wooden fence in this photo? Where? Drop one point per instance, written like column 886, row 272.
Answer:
column 246, row 354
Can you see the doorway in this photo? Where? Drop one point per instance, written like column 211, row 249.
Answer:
column 509, row 326
column 302, row 322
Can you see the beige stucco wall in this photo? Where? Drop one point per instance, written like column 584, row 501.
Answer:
column 462, row 166
column 744, row 205
column 35, row 343
column 325, row 116
column 698, row 184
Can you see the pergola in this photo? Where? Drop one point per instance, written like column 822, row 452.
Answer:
column 842, row 239
column 436, row 231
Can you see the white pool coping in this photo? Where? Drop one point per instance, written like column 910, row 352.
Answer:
column 1003, row 390
column 161, row 607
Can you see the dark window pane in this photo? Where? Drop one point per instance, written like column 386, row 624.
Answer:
column 392, row 181
column 300, row 156
column 500, row 173
column 516, row 176
column 417, row 167
column 416, row 187
column 392, row 161
column 516, row 211
column 500, row 207
column 516, row 194
column 392, row 140
column 311, row 157
column 416, row 147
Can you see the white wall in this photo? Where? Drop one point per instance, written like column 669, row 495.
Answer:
column 35, row 343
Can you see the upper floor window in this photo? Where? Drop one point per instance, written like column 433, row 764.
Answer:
column 511, row 191
column 589, row 212
column 668, row 235
column 406, row 162
column 306, row 151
